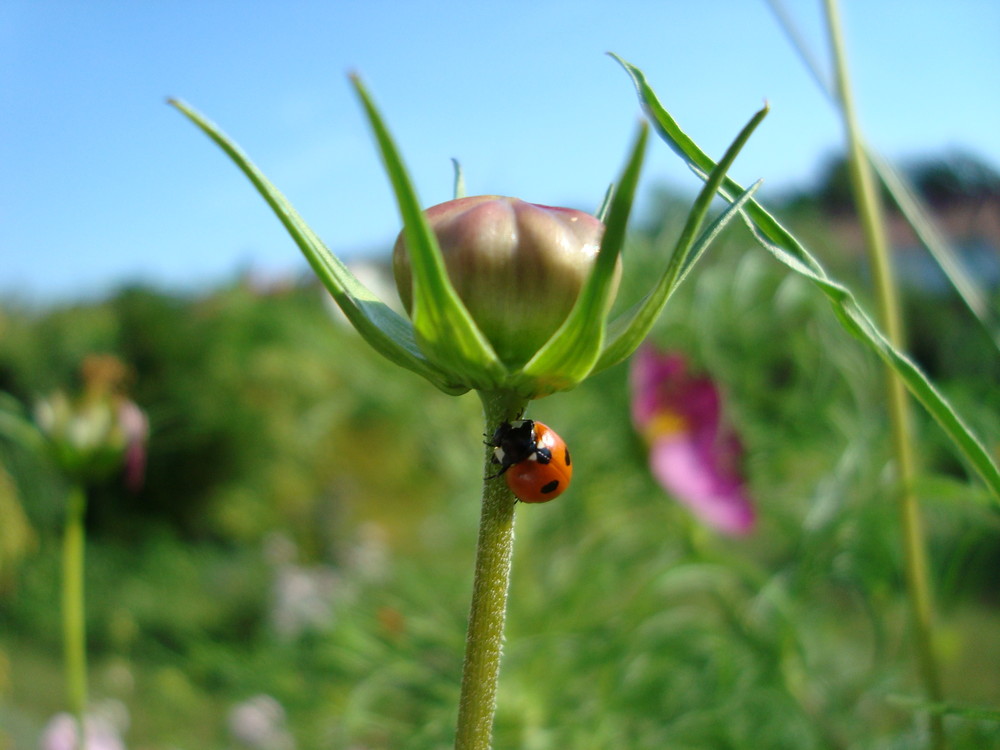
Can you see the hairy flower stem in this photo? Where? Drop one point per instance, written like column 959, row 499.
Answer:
column 489, row 592
column 911, row 525
column 74, row 634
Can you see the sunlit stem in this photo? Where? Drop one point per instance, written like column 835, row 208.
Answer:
column 911, row 525
column 74, row 629
column 484, row 642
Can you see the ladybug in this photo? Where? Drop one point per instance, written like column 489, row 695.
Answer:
column 534, row 460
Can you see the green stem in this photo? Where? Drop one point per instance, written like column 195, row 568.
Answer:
column 911, row 524
column 74, row 628
column 484, row 642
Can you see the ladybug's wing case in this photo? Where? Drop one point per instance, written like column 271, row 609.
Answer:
column 534, row 482
column 556, row 447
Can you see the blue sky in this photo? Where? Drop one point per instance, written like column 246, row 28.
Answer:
column 101, row 183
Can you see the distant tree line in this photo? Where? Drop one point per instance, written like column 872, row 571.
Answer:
column 942, row 181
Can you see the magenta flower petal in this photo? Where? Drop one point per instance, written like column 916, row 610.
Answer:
column 135, row 428
column 692, row 455
column 684, row 470
column 649, row 374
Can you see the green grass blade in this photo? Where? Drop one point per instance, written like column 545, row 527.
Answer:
column 629, row 329
column 774, row 237
column 443, row 327
column 917, row 216
column 712, row 231
column 383, row 328
column 700, row 162
column 571, row 353
column 857, row 322
column 971, row 713
column 915, row 213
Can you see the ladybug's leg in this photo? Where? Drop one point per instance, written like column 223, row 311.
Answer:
column 499, row 473
column 498, row 460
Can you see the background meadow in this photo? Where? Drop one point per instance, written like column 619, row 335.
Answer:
column 306, row 532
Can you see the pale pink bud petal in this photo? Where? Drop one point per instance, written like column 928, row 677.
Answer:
column 518, row 267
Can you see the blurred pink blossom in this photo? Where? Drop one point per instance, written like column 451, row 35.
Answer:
column 135, row 429
column 259, row 723
column 691, row 454
column 61, row 733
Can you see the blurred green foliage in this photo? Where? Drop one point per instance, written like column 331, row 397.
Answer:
column 282, row 447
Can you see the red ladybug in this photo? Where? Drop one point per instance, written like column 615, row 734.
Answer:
column 533, row 459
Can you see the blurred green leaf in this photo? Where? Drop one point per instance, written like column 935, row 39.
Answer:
column 17, row 537
column 973, row 713
column 16, row 427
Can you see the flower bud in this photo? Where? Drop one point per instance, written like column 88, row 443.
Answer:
column 518, row 267
column 100, row 430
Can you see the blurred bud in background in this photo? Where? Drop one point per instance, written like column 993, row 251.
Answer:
column 101, row 430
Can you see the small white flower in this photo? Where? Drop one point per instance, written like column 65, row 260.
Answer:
column 259, row 723
column 100, row 731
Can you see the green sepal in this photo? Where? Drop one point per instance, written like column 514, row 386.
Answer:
column 459, row 189
column 383, row 328
column 787, row 249
column 628, row 330
column 601, row 214
column 570, row 354
column 444, row 330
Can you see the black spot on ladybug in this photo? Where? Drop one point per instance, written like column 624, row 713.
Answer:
column 549, row 488
column 567, row 460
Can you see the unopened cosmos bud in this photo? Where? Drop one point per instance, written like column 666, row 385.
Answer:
column 518, row 267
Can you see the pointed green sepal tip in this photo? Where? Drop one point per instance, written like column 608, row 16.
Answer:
column 503, row 295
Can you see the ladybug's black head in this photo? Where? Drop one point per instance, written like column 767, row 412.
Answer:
column 514, row 442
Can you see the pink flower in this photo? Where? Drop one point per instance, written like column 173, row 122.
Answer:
column 691, row 454
column 61, row 734
column 135, row 429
